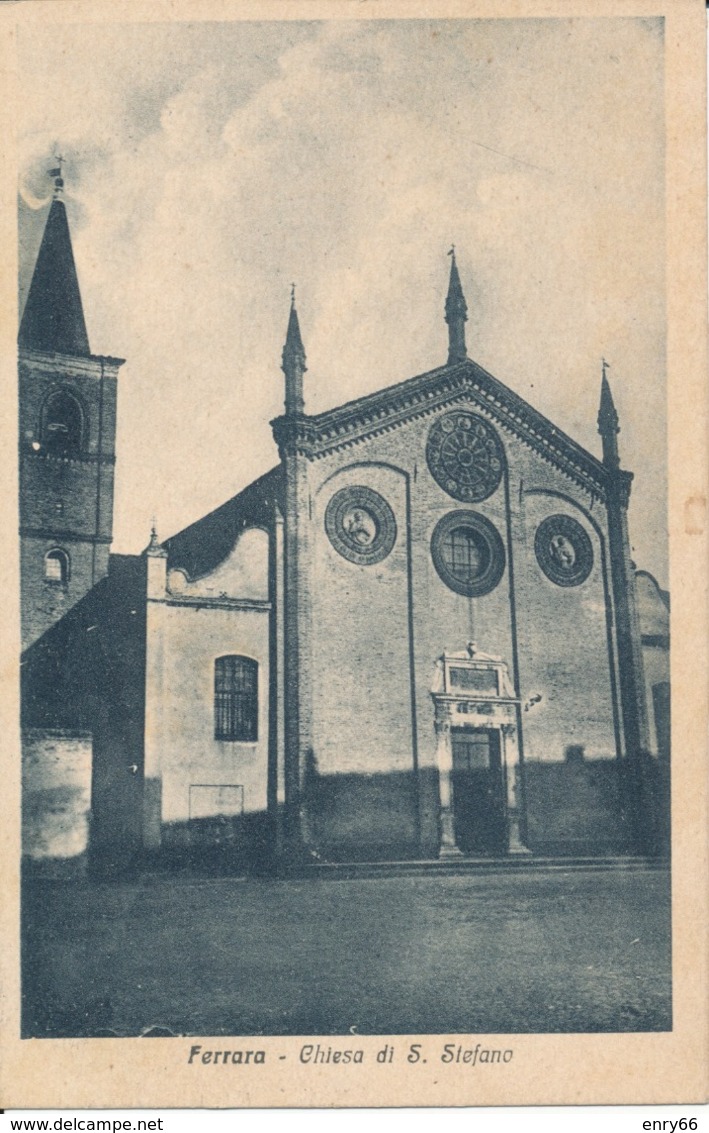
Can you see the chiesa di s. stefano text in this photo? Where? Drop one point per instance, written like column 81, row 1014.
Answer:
column 420, row 635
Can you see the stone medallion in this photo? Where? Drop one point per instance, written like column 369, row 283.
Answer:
column 563, row 550
column 360, row 525
column 465, row 455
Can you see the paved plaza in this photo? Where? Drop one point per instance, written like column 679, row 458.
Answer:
column 481, row 953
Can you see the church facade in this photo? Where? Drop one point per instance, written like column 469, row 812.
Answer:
column 420, row 634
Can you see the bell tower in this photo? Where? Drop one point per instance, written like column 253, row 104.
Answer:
column 67, row 399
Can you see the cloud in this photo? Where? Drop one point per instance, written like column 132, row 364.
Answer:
column 210, row 165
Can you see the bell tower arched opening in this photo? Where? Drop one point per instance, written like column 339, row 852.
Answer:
column 62, row 425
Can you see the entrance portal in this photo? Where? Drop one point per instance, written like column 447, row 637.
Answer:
column 476, row 721
column 479, row 810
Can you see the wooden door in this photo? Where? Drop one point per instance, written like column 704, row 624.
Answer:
column 479, row 811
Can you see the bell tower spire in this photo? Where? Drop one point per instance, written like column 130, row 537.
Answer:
column 53, row 319
column 456, row 315
column 293, row 364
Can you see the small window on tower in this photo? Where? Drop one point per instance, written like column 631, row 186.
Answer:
column 62, row 425
column 56, row 567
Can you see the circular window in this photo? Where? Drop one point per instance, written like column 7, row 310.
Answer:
column 465, row 456
column 468, row 553
column 360, row 525
column 563, row 550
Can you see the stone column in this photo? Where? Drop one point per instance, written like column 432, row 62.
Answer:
column 444, row 759
column 291, row 434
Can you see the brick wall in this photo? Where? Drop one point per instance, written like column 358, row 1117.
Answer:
column 377, row 630
column 576, row 807
column 44, row 603
column 56, row 799
column 87, row 674
column 565, row 648
column 65, row 502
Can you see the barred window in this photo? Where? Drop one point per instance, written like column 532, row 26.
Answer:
column 236, row 699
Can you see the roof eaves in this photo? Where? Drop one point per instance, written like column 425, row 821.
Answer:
column 200, row 547
column 383, row 410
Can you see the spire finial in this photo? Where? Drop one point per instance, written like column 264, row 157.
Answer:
column 292, row 296
column 607, row 405
column 154, row 547
column 456, row 314
column 56, row 173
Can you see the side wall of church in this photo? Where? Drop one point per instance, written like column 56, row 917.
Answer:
column 378, row 629
column 654, row 619
column 206, row 796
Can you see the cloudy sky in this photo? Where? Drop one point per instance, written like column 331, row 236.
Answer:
column 209, row 165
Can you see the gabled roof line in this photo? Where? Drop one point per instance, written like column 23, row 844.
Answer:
column 383, row 410
column 201, row 546
column 254, row 486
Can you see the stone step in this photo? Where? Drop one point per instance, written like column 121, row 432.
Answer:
column 469, row 864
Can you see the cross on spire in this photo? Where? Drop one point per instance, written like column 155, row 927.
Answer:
column 56, row 173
